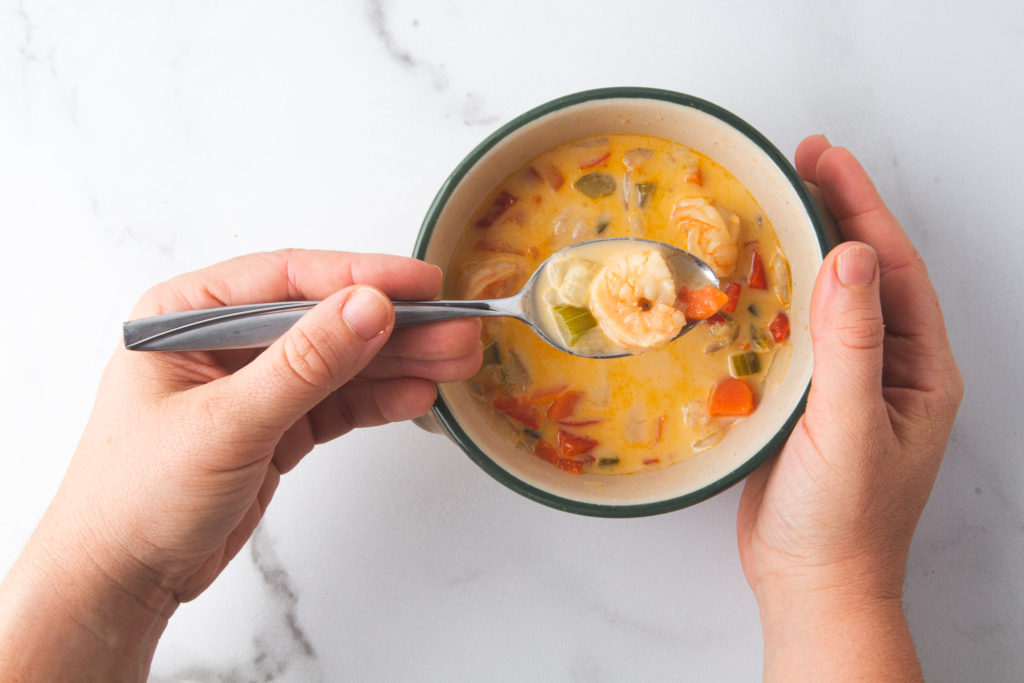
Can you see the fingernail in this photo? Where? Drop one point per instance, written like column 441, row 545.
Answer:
column 857, row 265
column 366, row 312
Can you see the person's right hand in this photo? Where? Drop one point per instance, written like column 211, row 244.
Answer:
column 825, row 527
column 183, row 451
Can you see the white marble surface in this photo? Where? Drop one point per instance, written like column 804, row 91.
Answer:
column 140, row 140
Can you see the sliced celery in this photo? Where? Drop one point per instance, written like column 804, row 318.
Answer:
column 573, row 321
column 492, row 355
column 644, row 192
column 742, row 364
column 760, row 341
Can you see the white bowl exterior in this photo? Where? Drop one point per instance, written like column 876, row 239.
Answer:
column 781, row 205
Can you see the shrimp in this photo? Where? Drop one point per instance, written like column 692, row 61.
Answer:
column 709, row 236
column 490, row 279
column 633, row 300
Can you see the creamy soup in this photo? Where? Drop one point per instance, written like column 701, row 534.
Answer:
column 653, row 409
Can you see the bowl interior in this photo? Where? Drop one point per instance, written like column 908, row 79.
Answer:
column 782, row 197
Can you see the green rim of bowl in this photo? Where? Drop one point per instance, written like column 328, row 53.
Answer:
column 443, row 412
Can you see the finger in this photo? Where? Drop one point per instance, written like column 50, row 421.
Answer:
column 370, row 403
column 322, row 351
column 909, row 301
column 295, row 444
column 448, row 370
column 807, row 154
column 293, row 274
column 440, row 352
column 859, row 210
column 917, row 351
column 435, row 341
column 847, row 334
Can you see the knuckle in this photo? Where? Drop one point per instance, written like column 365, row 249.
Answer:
column 955, row 390
column 860, row 329
column 305, row 360
column 952, row 393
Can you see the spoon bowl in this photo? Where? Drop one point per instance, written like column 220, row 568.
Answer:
column 256, row 325
column 687, row 271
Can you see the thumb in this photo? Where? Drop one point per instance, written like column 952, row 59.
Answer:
column 326, row 348
column 847, row 331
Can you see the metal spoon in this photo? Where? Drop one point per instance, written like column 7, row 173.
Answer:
column 258, row 325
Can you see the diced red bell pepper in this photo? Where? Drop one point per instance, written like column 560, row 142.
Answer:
column 563, row 406
column 553, row 177
column 519, row 410
column 579, row 423
column 599, row 160
column 716, row 319
column 755, row 276
column 659, row 428
column 546, row 396
column 574, row 444
column 732, row 290
column 502, row 203
column 779, row 327
column 545, row 451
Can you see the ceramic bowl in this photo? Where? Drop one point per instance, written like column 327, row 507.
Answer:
column 783, row 197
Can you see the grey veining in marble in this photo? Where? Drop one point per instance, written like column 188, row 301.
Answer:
column 139, row 141
column 280, row 649
column 470, row 106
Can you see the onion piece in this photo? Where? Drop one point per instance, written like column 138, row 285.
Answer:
column 782, row 283
column 706, row 442
column 516, row 376
column 637, row 156
column 777, row 368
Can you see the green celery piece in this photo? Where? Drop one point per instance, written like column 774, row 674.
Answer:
column 743, row 364
column 573, row 321
column 760, row 341
column 595, row 184
column 606, row 462
column 492, row 355
column 644, row 192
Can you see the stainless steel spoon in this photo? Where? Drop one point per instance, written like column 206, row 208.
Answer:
column 258, row 325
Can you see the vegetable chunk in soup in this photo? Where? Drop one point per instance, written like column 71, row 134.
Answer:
column 629, row 414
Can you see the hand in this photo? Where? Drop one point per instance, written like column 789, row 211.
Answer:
column 183, row 451
column 825, row 527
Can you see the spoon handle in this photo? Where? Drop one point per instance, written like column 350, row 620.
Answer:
column 258, row 325
column 418, row 312
column 230, row 327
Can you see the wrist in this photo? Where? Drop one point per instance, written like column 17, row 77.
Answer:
column 68, row 614
column 835, row 626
